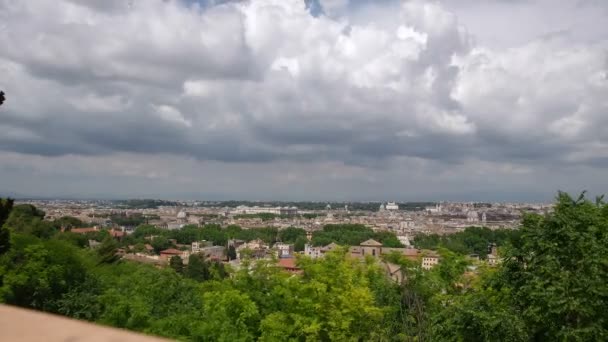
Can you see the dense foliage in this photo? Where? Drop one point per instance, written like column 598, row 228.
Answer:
column 352, row 235
column 551, row 285
column 473, row 240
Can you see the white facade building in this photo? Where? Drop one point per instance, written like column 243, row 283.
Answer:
column 404, row 240
column 287, row 211
column 284, row 250
column 392, row 206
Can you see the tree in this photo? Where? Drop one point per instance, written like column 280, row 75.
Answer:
column 68, row 222
column 557, row 271
column 300, row 244
column 198, row 268
column 291, row 234
column 5, row 240
column 146, row 230
column 23, row 214
column 229, row 316
column 160, row 243
column 231, row 253
column 176, row 264
column 480, row 316
column 107, row 251
column 551, row 285
column 331, row 302
column 38, row 273
column 2, row 97
column 6, row 205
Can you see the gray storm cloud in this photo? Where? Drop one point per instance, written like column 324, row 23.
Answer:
column 266, row 82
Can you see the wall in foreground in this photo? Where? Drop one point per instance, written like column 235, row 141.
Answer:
column 21, row 325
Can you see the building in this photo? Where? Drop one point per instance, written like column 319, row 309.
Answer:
column 493, row 259
column 198, row 246
column 284, row 250
column 115, row 233
column 313, row 252
column 392, row 206
column 213, row 252
column 371, row 247
column 174, row 226
column 283, row 211
column 429, row 259
column 404, row 240
column 472, row 216
column 171, row 252
column 437, row 209
column 318, row 252
column 182, row 217
column 256, row 248
column 289, row 265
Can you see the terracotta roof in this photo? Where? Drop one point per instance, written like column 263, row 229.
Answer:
column 371, row 242
column 83, row 230
column 410, row 252
column 171, row 251
column 329, row 247
column 287, row 263
column 117, row 233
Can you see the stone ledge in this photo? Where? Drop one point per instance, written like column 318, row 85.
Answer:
column 22, row 325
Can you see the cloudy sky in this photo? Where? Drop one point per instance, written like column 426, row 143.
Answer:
column 296, row 100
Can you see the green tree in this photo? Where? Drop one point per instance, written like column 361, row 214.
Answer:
column 176, row 264
column 300, row 244
column 22, row 215
column 26, row 218
column 107, row 251
column 229, row 316
column 145, row 230
column 68, row 222
column 38, row 273
column 480, row 316
column 160, row 243
column 558, row 270
column 332, row 301
column 231, row 252
column 198, row 268
column 291, row 234
column 6, row 205
column 5, row 240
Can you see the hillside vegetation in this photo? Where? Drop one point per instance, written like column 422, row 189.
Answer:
column 552, row 285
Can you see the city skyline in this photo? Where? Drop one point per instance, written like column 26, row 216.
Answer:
column 331, row 100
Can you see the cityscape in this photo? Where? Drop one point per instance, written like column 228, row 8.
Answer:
column 121, row 218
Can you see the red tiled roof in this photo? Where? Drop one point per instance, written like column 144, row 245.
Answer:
column 410, row 252
column 288, row 263
column 117, row 233
column 83, row 230
column 171, row 251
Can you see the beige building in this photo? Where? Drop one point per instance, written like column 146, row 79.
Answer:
column 429, row 260
column 493, row 259
column 371, row 247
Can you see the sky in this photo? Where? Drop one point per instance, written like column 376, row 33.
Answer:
column 459, row 100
